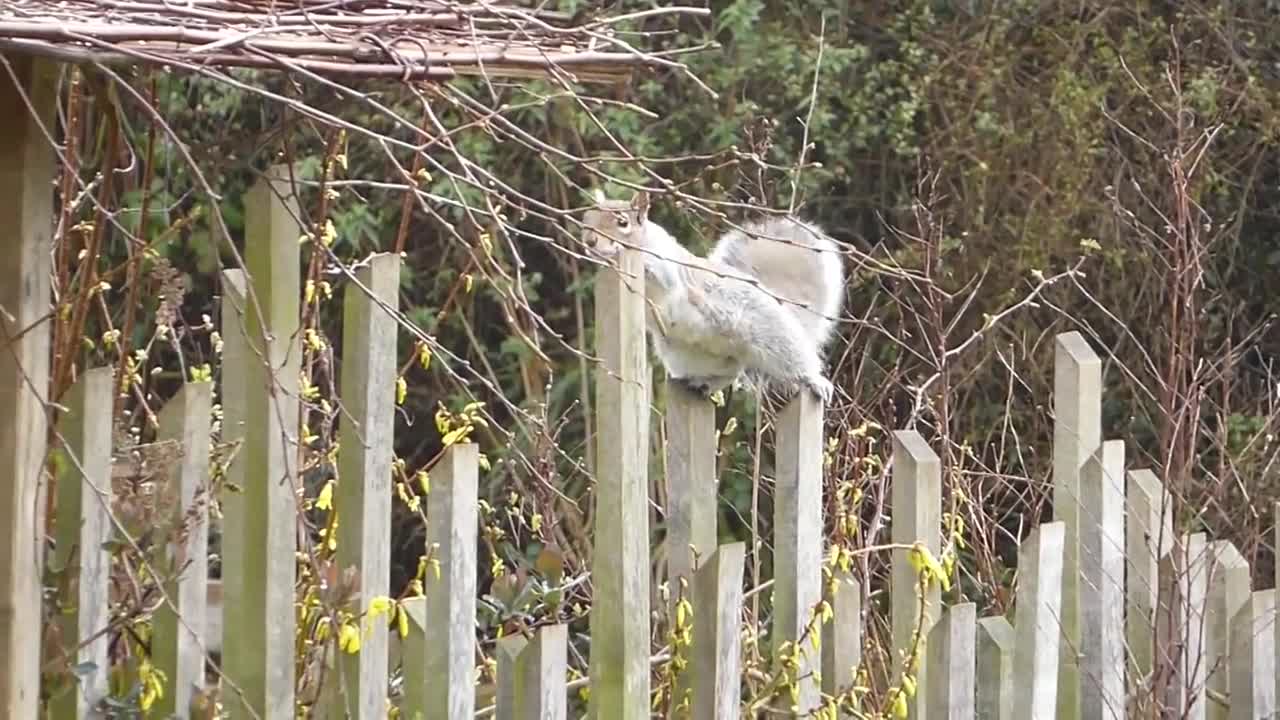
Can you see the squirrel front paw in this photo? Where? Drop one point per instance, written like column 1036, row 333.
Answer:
column 821, row 387
column 705, row 385
column 697, row 386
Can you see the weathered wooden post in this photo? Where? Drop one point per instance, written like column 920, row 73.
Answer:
column 508, row 694
column 620, row 561
column 691, row 483
column 1230, row 589
column 717, row 648
column 1184, row 572
column 995, row 669
column 1148, row 536
column 178, row 644
column 1037, row 633
column 531, row 675
column 366, row 432
column 233, row 393
column 797, row 543
column 83, row 528
column 1102, row 539
column 1252, row 669
column 1077, row 433
column 27, row 167
column 917, row 517
column 842, row 636
column 439, row 655
column 261, row 366
column 691, row 499
column 951, row 656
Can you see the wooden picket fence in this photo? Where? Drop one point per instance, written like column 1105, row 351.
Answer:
column 1106, row 593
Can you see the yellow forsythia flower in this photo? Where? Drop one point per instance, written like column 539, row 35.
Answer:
column 349, row 639
column 909, row 685
column 900, row 706
column 402, row 621
column 325, row 500
column 380, row 605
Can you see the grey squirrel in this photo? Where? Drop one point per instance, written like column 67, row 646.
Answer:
column 717, row 319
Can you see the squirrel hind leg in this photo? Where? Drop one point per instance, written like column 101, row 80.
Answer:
column 782, row 391
column 821, row 387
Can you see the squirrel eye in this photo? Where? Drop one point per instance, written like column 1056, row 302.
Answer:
column 623, row 222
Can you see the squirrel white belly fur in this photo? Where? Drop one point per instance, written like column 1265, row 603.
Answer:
column 762, row 304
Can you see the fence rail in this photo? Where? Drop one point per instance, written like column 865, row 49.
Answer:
column 1105, row 593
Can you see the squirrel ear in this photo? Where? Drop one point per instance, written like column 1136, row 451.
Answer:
column 598, row 196
column 640, row 203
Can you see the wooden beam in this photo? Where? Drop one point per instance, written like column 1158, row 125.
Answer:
column 233, row 396
column 1230, row 589
column 917, row 518
column 509, row 700
column 366, row 431
column 178, row 643
column 691, row 484
column 259, row 568
column 1077, row 433
column 27, row 173
column 995, row 675
column 1184, row 572
column 950, row 693
column 842, row 636
column 797, row 539
column 717, row 646
column 1037, row 630
column 692, row 500
column 1252, row 685
column 619, row 664
column 1148, row 536
column 531, row 675
column 1102, row 540
column 83, row 528
column 440, row 655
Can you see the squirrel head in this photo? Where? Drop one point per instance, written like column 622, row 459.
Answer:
column 614, row 224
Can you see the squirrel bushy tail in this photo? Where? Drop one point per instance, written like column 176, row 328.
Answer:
column 795, row 261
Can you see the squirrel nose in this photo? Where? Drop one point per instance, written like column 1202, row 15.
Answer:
column 597, row 246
